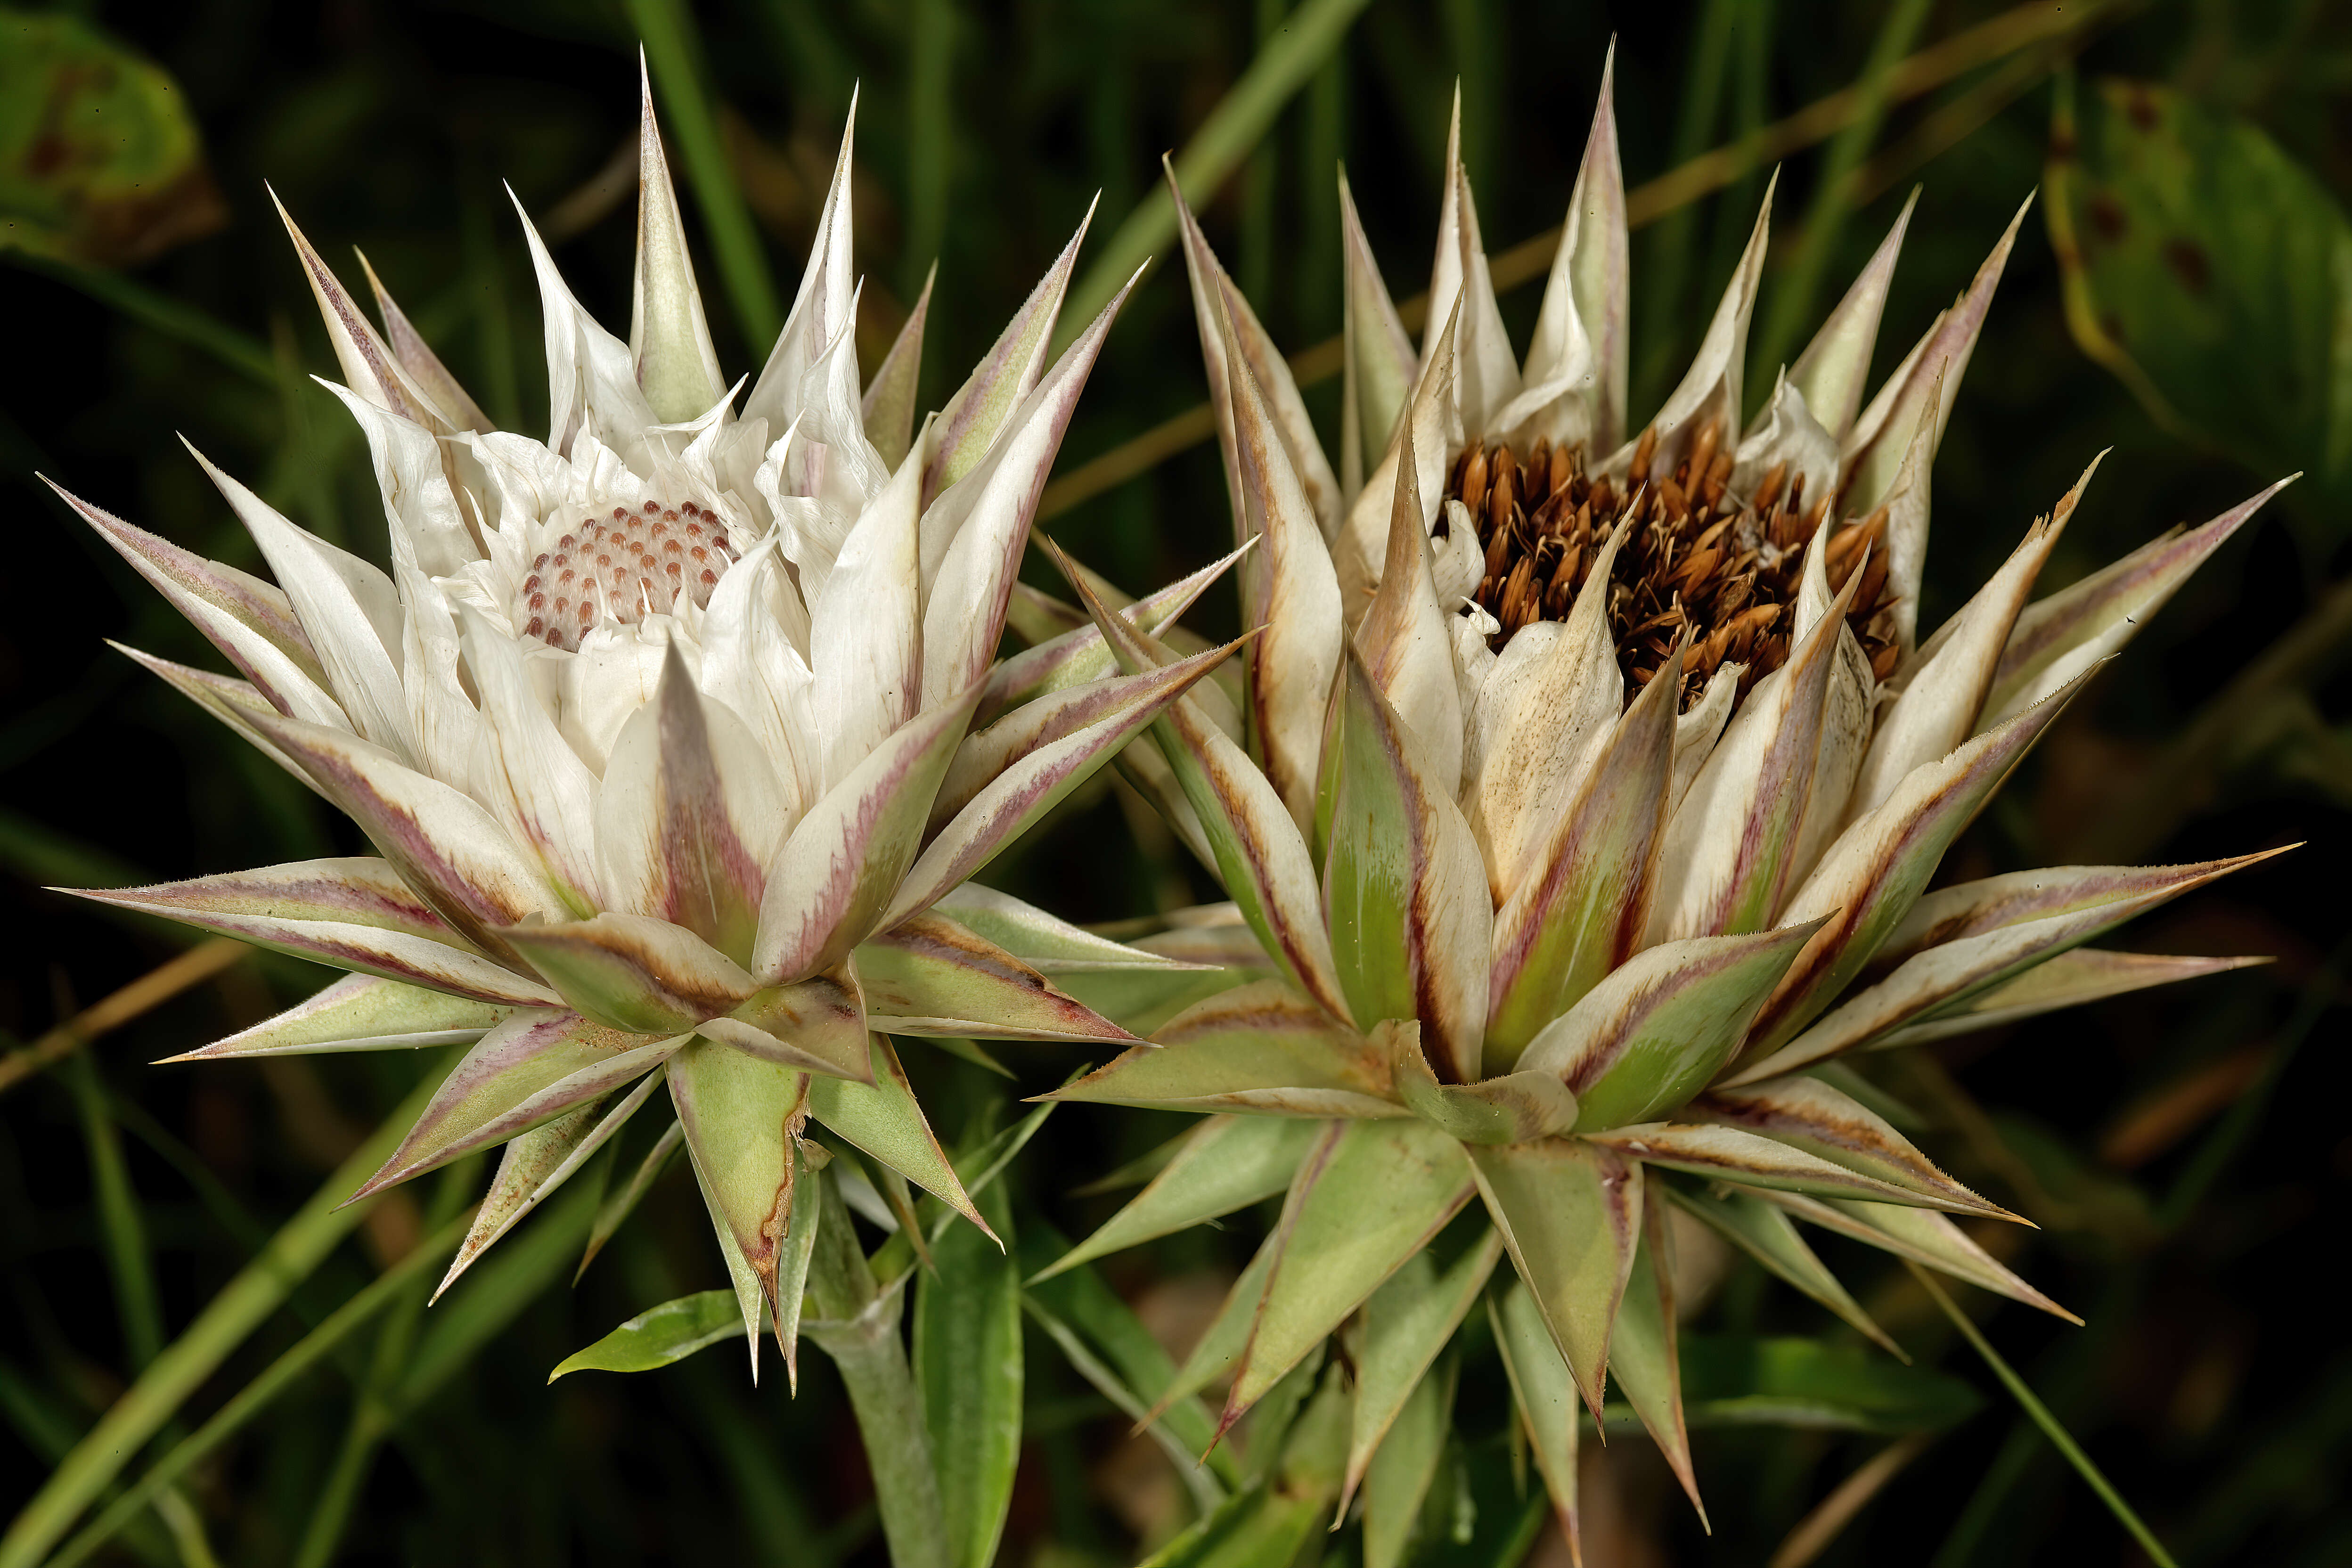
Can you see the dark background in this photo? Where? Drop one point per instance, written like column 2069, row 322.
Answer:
column 2185, row 1152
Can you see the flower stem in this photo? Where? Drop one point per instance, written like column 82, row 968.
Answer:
column 2060, row 1438
column 860, row 1332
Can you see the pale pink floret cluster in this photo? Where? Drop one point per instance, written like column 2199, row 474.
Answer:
column 623, row 568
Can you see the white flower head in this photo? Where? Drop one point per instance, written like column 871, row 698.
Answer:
column 665, row 730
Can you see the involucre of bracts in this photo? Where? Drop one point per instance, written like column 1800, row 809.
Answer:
column 667, row 731
column 1582, row 814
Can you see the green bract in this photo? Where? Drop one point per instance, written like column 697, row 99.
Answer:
column 1544, row 926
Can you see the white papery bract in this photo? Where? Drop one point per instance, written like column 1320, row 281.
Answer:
column 1521, row 914
column 650, row 724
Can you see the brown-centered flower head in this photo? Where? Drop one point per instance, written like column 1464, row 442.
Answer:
column 1693, row 554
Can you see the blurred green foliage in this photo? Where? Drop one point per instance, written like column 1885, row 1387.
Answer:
column 2211, row 272
column 99, row 161
column 2186, row 1158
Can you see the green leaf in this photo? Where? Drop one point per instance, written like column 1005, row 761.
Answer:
column 1921, row 1235
column 1079, row 1300
column 1511, row 1109
column 1260, row 1047
column 883, row 1120
column 255, row 1396
column 1651, row 1035
column 1571, row 1212
column 1220, row 1349
column 671, row 1331
column 618, row 1206
column 2212, row 273
column 240, row 1307
column 121, row 1228
column 1315, row 1443
column 1404, row 887
column 1228, row 1163
column 1261, row 1528
column 928, row 975
column 1374, row 1195
column 1642, row 1352
column 1736, row 1381
column 1806, row 1114
column 1144, row 999
column 1495, row 1516
column 1545, row 1392
column 1403, row 1466
column 494, row 1293
column 1046, row 945
column 101, row 161
column 1407, row 1322
column 967, row 1365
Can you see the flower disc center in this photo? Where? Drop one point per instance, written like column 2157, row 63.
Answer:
column 622, row 567
column 1694, row 555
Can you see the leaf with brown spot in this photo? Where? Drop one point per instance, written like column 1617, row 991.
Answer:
column 2216, row 285
column 741, row 1117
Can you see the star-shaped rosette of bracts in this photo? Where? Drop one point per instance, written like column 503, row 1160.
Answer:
column 677, row 735
column 1580, row 816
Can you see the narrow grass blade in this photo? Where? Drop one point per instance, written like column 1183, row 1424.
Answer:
column 256, row 1395
column 2060, row 1438
column 1233, row 128
column 300, row 1247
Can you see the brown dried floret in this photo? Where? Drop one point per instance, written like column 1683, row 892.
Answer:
column 1693, row 555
